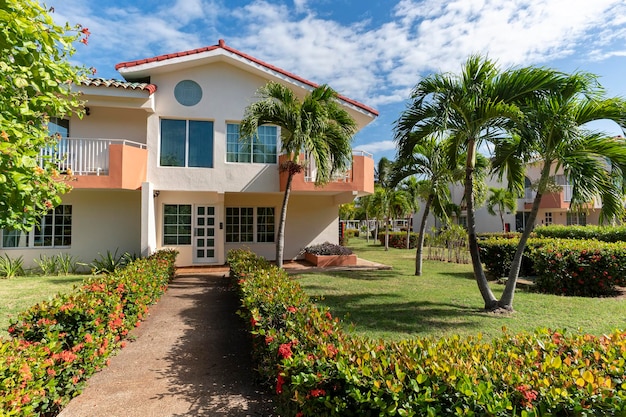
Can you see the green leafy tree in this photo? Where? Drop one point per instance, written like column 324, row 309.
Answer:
column 35, row 85
column 317, row 126
column 412, row 187
column 478, row 105
column 499, row 201
column 555, row 131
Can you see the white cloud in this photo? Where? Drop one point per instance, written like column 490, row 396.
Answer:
column 378, row 147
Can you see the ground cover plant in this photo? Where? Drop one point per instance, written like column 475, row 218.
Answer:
column 56, row 345
column 318, row 369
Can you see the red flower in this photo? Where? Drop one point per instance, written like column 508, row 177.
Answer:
column 317, row 393
column 299, row 414
column 292, row 309
column 285, row 350
column 84, row 40
column 279, row 384
column 86, row 31
column 268, row 340
column 329, row 316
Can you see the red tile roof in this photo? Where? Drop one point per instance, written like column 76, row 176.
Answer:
column 102, row 82
column 222, row 45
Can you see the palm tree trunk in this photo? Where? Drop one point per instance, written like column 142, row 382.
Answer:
column 408, row 231
column 280, row 239
column 420, row 238
column 367, row 225
column 506, row 300
column 502, row 221
column 387, row 232
column 490, row 300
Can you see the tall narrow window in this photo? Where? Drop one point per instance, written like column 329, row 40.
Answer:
column 548, row 220
column 261, row 149
column 177, row 224
column 265, row 224
column 186, row 143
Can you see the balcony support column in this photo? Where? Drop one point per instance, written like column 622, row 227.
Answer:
column 148, row 219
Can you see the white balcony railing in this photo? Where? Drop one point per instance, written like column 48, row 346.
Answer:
column 529, row 194
column 84, row 156
column 310, row 171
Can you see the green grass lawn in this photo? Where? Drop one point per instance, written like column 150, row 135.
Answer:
column 19, row 293
column 445, row 300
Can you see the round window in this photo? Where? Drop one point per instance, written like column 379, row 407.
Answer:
column 188, row 93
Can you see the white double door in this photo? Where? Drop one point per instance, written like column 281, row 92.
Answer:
column 204, row 234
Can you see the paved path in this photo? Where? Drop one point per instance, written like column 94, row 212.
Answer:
column 191, row 357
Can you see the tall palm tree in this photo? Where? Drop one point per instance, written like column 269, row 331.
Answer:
column 555, row 133
column 316, row 126
column 476, row 106
column 412, row 188
column 501, row 200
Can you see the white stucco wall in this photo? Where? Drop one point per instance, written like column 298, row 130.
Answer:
column 101, row 220
column 111, row 123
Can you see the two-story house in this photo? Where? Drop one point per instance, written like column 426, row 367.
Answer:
column 157, row 163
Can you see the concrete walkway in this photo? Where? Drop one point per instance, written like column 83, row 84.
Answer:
column 191, row 357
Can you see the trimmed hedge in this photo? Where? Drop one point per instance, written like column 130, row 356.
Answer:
column 318, row 370
column 398, row 239
column 586, row 268
column 603, row 233
column 57, row 345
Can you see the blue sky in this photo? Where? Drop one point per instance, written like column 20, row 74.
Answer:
column 371, row 51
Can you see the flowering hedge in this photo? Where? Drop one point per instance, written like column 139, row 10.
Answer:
column 587, row 268
column 56, row 345
column 317, row 369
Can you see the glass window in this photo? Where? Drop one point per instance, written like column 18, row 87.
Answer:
column 262, row 149
column 177, row 224
column 59, row 126
column 548, row 220
column 188, row 93
column 53, row 230
column 242, row 228
column 186, row 143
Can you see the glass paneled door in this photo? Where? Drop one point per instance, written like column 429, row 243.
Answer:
column 204, row 234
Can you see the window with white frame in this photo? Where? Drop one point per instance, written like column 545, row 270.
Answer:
column 53, row 230
column 177, row 224
column 260, row 149
column 250, row 224
column 186, row 143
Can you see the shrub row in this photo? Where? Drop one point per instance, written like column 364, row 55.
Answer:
column 317, row 369
column 588, row 268
column 56, row 345
column 398, row 239
column 603, row 233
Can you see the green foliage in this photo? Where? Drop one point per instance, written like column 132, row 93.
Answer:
column 497, row 254
column 318, row 370
column 11, row 267
column 67, row 263
column 110, row 262
column 585, row 268
column 603, row 233
column 36, row 76
column 58, row 344
column 398, row 239
column 47, row 264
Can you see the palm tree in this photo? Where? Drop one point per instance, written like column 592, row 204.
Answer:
column 316, row 126
column 412, row 188
column 554, row 133
column 477, row 106
column 428, row 160
column 501, row 200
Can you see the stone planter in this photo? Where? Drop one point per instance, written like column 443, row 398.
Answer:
column 330, row 260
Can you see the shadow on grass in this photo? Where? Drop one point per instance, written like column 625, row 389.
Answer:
column 365, row 275
column 408, row 317
column 464, row 275
column 69, row 280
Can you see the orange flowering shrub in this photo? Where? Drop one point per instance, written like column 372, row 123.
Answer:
column 316, row 369
column 56, row 345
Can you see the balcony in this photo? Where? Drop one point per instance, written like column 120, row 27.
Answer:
column 101, row 163
column 358, row 178
column 556, row 200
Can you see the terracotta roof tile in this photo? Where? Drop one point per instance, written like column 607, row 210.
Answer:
column 102, row 82
column 221, row 44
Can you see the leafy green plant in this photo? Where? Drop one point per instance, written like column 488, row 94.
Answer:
column 11, row 267
column 47, row 264
column 67, row 263
column 109, row 263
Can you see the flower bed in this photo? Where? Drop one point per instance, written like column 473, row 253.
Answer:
column 56, row 345
column 318, row 370
column 329, row 254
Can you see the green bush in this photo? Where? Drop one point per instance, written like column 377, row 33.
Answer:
column 11, row 267
column 497, row 255
column 585, row 268
column 56, row 345
column 318, row 370
column 603, row 233
column 398, row 239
